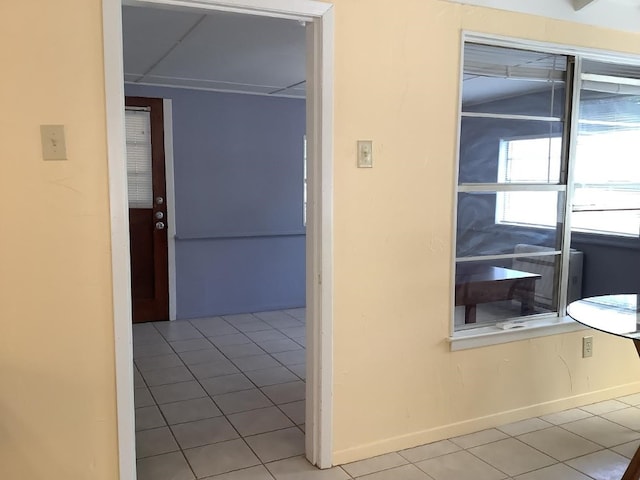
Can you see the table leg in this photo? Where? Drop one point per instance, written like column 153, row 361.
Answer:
column 633, row 470
column 528, row 300
column 469, row 314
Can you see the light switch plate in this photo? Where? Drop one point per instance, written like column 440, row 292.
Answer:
column 53, row 143
column 587, row 347
column 365, row 154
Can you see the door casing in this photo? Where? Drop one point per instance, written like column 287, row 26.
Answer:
column 320, row 58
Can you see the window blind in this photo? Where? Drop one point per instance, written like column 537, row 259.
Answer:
column 139, row 173
column 491, row 61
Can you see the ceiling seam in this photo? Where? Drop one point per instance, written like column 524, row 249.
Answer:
column 173, row 47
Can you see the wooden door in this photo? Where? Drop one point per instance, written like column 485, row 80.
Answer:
column 144, row 121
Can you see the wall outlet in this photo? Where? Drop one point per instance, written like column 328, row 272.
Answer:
column 587, row 347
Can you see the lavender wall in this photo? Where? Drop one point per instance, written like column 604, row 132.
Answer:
column 240, row 242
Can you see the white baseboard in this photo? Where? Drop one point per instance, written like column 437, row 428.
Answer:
column 476, row 424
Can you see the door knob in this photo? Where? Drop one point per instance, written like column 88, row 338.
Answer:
column 159, row 215
column 159, row 200
column 159, row 225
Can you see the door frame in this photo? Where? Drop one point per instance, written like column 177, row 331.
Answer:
column 319, row 240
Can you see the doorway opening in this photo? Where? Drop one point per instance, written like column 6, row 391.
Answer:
column 318, row 258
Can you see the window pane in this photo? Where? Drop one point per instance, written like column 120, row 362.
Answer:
column 531, row 160
column 510, row 81
column 490, row 151
column 607, row 164
column 494, row 291
column 494, row 223
column 139, row 178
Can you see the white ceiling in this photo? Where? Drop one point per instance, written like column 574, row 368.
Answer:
column 251, row 54
column 216, row 51
column 616, row 14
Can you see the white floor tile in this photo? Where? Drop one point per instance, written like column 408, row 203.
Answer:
column 285, row 392
column 190, row 410
column 176, row 392
column 603, row 465
column 277, row 445
column 271, row 376
column 255, row 362
column 479, row 438
column 242, row 350
column 431, row 450
column 155, row 442
column 627, row 449
column 512, row 456
column 220, row 458
column 213, row 369
column 196, row 357
column 375, row 464
column 226, row 384
column 233, row 339
column 566, row 416
column 299, row 469
column 190, row 345
column 146, row 364
column 554, row 472
column 296, row 411
column 406, row 472
column 148, row 417
column 142, row 397
column 169, row 466
column 294, row 357
column 203, row 432
column 242, row 401
column 165, row 376
column 627, row 417
column 524, row 426
column 253, row 473
column 631, row 399
column 459, row 466
column 604, row 407
column 559, row 443
column 261, row 420
column 602, row 431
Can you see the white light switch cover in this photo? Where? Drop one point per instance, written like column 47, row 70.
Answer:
column 365, row 154
column 53, row 143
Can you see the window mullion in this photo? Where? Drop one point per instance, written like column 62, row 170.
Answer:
column 574, row 68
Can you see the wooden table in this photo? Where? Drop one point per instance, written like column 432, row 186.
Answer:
column 479, row 283
column 617, row 315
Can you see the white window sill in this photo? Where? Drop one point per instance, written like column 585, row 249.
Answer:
column 492, row 335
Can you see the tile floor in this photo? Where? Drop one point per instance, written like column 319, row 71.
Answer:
column 223, row 399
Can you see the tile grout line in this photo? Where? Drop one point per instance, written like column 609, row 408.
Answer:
column 224, row 415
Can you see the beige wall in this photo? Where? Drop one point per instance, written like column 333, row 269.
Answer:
column 396, row 383
column 57, row 386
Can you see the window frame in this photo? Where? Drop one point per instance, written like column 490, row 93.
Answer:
column 499, row 214
column 545, row 324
